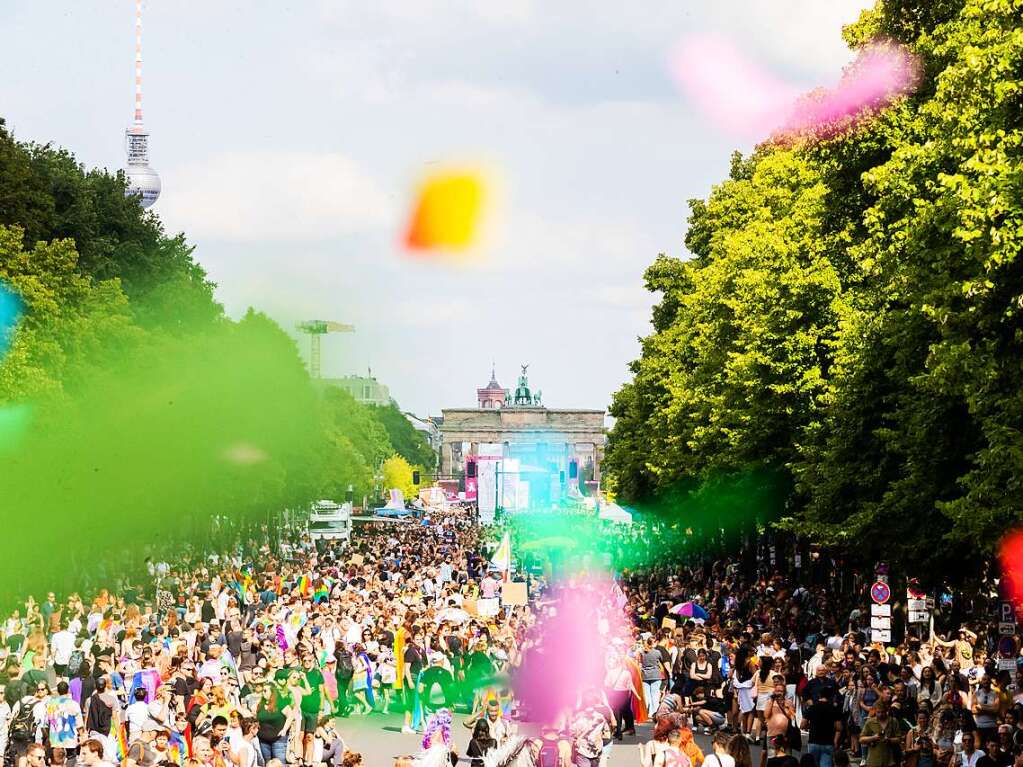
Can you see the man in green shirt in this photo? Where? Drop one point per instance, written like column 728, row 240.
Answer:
column 311, row 704
column 882, row 736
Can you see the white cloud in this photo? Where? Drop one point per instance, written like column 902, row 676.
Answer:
column 274, row 195
column 803, row 34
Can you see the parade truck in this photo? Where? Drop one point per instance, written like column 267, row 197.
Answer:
column 329, row 521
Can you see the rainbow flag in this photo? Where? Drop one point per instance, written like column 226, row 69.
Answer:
column 321, row 593
column 502, row 557
column 177, row 748
column 638, row 702
column 120, row 739
column 303, row 585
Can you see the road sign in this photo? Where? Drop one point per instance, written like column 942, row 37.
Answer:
column 880, row 635
column 914, row 591
column 916, row 604
column 880, row 592
column 881, row 611
column 919, row 616
column 1006, row 619
column 880, row 623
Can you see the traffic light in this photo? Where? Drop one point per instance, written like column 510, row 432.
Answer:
column 470, row 470
column 573, row 469
column 415, row 476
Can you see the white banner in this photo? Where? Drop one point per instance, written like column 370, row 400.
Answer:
column 487, row 608
column 486, row 492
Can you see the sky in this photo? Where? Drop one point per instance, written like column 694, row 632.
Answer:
column 289, row 137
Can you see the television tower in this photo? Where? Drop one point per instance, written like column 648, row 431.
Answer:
column 142, row 180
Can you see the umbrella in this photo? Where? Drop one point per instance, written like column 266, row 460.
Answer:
column 453, row 615
column 689, row 610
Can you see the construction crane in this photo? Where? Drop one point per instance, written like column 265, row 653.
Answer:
column 315, row 329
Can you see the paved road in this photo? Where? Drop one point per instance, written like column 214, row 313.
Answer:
column 379, row 739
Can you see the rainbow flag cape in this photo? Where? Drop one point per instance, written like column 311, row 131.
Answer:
column 120, row 739
column 504, row 703
column 177, row 748
column 322, row 593
column 149, row 679
column 303, row 585
column 638, row 704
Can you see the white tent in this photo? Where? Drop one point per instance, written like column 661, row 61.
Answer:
column 614, row 513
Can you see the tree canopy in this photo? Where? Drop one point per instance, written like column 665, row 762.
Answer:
column 851, row 314
column 133, row 412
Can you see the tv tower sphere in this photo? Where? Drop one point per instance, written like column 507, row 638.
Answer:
column 142, row 180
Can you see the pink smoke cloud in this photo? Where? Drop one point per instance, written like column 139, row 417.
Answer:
column 748, row 100
column 573, row 642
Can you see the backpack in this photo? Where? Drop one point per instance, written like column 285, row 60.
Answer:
column 74, row 663
column 345, row 667
column 550, row 755
column 23, row 725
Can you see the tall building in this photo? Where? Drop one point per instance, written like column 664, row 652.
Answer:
column 366, row 390
column 142, row 180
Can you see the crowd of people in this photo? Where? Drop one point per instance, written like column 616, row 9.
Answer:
column 264, row 657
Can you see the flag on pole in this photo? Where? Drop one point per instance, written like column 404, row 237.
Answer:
column 618, row 596
column 502, row 557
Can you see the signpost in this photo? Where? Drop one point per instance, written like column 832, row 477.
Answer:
column 881, row 611
column 1006, row 619
column 917, row 609
column 880, row 592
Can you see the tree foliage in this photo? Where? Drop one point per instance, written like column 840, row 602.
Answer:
column 397, row 474
column 851, row 315
column 409, row 443
column 132, row 411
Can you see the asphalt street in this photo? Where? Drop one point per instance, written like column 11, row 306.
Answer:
column 379, row 738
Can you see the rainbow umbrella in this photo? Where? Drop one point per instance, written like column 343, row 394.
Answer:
column 689, row 610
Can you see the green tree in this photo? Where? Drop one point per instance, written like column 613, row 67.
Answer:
column 850, row 318
column 50, row 196
column 397, row 474
column 403, row 436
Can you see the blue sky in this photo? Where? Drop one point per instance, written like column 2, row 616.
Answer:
column 289, row 135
